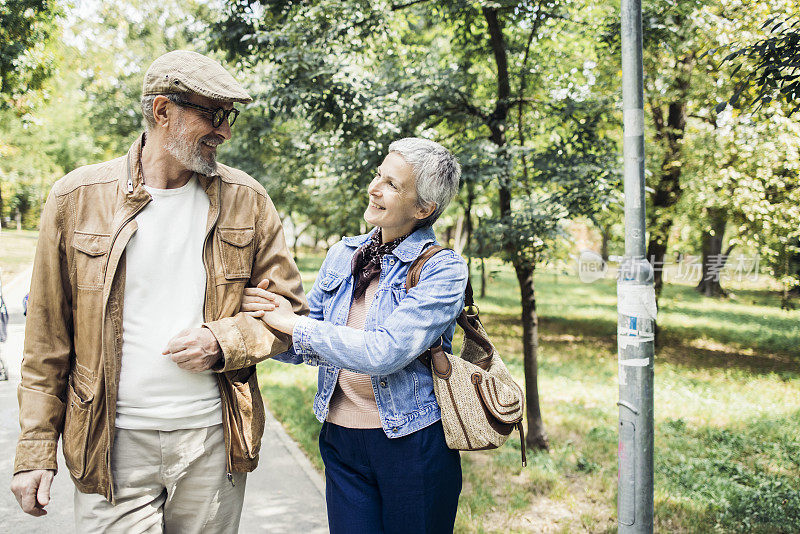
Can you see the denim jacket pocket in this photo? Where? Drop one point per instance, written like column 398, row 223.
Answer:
column 329, row 283
column 236, row 251
column 399, row 291
column 91, row 251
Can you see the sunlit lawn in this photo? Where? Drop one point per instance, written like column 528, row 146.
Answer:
column 727, row 413
column 16, row 251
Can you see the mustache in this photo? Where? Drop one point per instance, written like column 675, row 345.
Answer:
column 212, row 139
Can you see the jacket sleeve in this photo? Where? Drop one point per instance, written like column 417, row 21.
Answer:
column 246, row 340
column 316, row 302
column 417, row 322
column 47, row 350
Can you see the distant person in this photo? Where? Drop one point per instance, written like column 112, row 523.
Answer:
column 387, row 465
column 134, row 350
column 3, row 334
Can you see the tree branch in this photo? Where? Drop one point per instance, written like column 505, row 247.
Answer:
column 397, row 7
column 471, row 108
column 522, row 86
column 710, row 120
column 553, row 15
column 497, row 119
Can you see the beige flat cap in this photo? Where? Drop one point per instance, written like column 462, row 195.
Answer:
column 183, row 71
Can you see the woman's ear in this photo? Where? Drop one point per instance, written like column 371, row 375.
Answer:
column 424, row 213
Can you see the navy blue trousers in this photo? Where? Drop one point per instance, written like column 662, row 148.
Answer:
column 374, row 484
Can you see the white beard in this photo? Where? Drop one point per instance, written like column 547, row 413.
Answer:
column 190, row 156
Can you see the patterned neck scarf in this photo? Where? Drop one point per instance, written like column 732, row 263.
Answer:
column 367, row 261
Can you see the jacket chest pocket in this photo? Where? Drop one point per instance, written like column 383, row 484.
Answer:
column 398, row 291
column 91, row 251
column 236, row 251
column 329, row 284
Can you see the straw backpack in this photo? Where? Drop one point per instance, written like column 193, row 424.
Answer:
column 480, row 402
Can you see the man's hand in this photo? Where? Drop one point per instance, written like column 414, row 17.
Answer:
column 194, row 349
column 32, row 490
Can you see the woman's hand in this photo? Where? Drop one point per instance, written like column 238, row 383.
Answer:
column 273, row 309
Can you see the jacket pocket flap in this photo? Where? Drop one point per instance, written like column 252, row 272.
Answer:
column 238, row 237
column 504, row 401
column 91, row 244
column 331, row 281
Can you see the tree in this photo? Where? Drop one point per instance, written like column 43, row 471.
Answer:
column 88, row 111
column 459, row 72
column 26, row 27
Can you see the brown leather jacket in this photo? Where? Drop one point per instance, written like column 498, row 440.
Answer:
column 73, row 337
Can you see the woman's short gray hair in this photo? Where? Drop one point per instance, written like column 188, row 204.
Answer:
column 436, row 171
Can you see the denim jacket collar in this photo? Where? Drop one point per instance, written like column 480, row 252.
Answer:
column 408, row 250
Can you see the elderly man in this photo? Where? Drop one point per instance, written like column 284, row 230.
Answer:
column 134, row 349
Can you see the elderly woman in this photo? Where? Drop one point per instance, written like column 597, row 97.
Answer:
column 387, row 466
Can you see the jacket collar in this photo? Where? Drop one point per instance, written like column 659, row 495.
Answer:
column 408, row 250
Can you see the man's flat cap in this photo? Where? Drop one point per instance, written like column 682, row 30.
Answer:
column 182, row 71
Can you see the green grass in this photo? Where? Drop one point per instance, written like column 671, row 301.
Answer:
column 727, row 409
column 17, row 248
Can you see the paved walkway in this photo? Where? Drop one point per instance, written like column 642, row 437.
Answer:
column 284, row 495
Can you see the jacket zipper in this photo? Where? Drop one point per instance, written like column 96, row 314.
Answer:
column 208, row 261
column 111, row 427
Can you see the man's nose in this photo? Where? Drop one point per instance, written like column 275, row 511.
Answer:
column 224, row 129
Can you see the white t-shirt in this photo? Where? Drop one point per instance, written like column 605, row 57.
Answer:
column 165, row 282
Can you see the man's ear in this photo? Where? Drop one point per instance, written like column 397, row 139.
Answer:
column 160, row 110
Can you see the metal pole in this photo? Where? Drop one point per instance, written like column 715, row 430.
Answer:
column 636, row 302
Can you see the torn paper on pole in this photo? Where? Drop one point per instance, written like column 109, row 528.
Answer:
column 636, row 300
column 637, row 315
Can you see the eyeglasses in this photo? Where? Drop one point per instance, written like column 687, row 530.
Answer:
column 218, row 115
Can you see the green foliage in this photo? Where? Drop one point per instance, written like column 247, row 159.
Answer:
column 768, row 69
column 26, row 27
column 89, row 110
column 370, row 72
column 124, row 37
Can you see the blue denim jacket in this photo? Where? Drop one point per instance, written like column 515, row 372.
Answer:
column 399, row 326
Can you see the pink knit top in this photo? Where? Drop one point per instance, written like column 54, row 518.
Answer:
column 353, row 403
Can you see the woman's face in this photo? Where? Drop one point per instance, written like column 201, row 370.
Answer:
column 393, row 199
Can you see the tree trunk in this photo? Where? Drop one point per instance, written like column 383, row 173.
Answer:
column 670, row 124
column 667, row 188
column 448, row 235
column 468, row 226
column 483, row 278
column 496, row 121
column 713, row 258
column 458, row 245
column 536, row 437
column 605, row 234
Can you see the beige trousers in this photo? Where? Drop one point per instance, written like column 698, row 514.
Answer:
column 166, row 482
